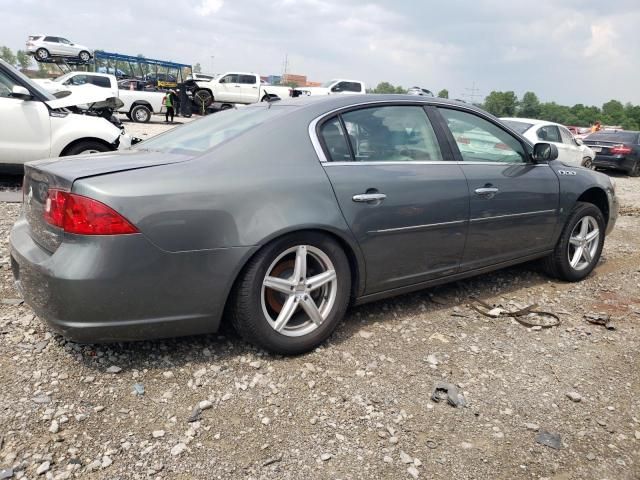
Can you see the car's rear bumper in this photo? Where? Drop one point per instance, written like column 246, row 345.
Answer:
column 120, row 288
column 617, row 162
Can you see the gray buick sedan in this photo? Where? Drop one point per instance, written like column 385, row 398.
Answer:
column 277, row 216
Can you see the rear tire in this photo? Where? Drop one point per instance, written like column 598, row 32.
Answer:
column 203, row 98
column 278, row 319
column 42, row 54
column 587, row 162
column 635, row 170
column 84, row 56
column 566, row 263
column 140, row 114
column 86, row 147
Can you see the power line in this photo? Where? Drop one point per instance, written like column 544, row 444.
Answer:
column 472, row 94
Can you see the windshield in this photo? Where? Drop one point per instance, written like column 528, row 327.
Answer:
column 202, row 135
column 329, row 83
column 617, row 137
column 519, row 127
column 33, row 86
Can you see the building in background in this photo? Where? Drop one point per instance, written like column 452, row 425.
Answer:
column 289, row 78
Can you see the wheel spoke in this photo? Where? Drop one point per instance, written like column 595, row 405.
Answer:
column 574, row 241
column 281, row 285
column 577, row 256
column 288, row 309
column 300, row 268
column 311, row 309
column 586, row 254
column 322, row 278
column 592, row 235
column 584, row 227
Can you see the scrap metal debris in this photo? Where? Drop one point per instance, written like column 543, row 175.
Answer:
column 526, row 316
column 600, row 319
column 449, row 391
column 549, row 439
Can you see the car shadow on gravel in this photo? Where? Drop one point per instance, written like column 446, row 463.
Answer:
column 227, row 345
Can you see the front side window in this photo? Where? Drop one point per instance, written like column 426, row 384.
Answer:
column 231, row 78
column 6, row 85
column 567, row 138
column 65, row 41
column 391, row 134
column 549, row 133
column 480, row 140
column 77, row 80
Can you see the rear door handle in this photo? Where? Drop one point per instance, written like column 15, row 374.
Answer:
column 488, row 191
column 369, row 197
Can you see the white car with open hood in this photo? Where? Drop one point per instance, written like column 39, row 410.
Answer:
column 36, row 125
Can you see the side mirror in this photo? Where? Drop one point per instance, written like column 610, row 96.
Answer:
column 20, row 92
column 579, row 141
column 544, row 152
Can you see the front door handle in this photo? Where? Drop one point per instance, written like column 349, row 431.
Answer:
column 487, row 191
column 368, row 197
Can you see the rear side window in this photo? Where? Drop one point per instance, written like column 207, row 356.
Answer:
column 549, row 133
column 100, row 81
column 384, row 134
column 335, row 141
column 247, row 79
column 567, row 138
column 479, row 140
column 51, row 39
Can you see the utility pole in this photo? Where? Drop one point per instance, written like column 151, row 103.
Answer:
column 285, row 65
column 212, row 57
column 473, row 92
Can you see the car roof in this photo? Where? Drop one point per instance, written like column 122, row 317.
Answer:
column 341, row 101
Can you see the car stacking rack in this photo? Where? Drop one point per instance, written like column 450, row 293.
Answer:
column 140, row 66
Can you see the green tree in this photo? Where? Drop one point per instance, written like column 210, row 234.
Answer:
column 7, row 55
column 197, row 68
column 613, row 113
column 444, row 93
column 24, row 59
column 501, row 104
column 384, row 87
column 529, row 106
column 400, row 90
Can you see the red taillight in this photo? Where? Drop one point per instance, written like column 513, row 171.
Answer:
column 620, row 150
column 83, row 215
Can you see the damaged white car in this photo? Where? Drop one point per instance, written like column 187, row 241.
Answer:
column 37, row 125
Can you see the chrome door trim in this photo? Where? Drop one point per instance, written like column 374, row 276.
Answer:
column 511, row 215
column 417, row 227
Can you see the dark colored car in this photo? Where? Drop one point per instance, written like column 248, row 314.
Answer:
column 616, row 150
column 282, row 214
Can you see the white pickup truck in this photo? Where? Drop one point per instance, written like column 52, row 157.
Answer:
column 338, row 86
column 138, row 105
column 236, row 87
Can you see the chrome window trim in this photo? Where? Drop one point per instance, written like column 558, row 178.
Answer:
column 428, row 162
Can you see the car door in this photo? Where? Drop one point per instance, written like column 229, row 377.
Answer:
column 67, row 48
column 513, row 202
column 404, row 199
column 52, row 44
column 26, row 131
column 229, row 89
column 551, row 134
column 574, row 152
column 249, row 88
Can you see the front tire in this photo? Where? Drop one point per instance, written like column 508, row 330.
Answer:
column 84, row 56
column 85, row 147
column 292, row 294
column 140, row 114
column 203, row 98
column 580, row 245
column 42, row 54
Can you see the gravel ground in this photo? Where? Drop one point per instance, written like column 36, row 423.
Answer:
column 358, row 407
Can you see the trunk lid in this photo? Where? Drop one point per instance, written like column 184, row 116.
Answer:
column 60, row 173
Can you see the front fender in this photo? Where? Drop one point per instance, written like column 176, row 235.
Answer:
column 73, row 127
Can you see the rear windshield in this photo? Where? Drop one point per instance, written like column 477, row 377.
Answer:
column 618, row 137
column 519, row 127
column 202, row 135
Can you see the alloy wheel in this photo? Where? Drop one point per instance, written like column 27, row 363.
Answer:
column 299, row 290
column 583, row 243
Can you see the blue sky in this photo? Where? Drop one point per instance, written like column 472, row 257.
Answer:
column 565, row 51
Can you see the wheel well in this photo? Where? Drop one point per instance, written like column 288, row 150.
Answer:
column 80, row 140
column 349, row 252
column 140, row 103
column 597, row 197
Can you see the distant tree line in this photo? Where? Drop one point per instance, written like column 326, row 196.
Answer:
column 507, row 104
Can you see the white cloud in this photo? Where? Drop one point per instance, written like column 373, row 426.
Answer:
column 602, row 42
column 207, row 7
